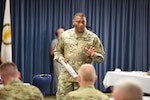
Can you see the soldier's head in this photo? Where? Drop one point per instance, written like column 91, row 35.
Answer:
column 9, row 72
column 87, row 75
column 79, row 22
column 127, row 89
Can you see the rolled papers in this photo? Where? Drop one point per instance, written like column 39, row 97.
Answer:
column 69, row 69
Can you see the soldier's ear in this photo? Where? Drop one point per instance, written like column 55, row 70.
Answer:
column 19, row 75
column 78, row 78
column 73, row 22
column 4, row 82
column 95, row 78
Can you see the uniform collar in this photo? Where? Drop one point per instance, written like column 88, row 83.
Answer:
column 79, row 35
column 14, row 82
column 90, row 86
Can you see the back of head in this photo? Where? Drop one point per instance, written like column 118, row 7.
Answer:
column 87, row 73
column 8, row 69
column 127, row 90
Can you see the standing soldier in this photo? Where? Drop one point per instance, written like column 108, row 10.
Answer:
column 76, row 46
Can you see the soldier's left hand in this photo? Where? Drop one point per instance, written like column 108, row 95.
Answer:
column 90, row 50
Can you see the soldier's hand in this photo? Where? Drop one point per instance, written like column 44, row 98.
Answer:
column 62, row 58
column 90, row 50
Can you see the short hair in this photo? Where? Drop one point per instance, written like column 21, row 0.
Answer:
column 130, row 89
column 79, row 14
column 8, row 69
column 87, row 72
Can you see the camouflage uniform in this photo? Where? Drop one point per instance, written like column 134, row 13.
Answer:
column 16, row 90
column 86, row 93
column 71, row 46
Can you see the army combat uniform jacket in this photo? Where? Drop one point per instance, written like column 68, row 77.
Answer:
column 16, row 90
column 86, row 93
column 71, row 46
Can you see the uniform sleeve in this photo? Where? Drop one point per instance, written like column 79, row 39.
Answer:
column 59, row 50
column 67, row 97
column 71, row 96
column 99, row 50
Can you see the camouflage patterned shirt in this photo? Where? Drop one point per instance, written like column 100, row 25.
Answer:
column 86, row 93
column 16, row 90
column 72, row 46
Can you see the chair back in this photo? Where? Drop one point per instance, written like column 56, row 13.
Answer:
column 42, row 81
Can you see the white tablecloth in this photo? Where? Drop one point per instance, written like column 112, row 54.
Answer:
column 112, row 77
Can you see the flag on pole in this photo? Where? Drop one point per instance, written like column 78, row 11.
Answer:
column 6, row 47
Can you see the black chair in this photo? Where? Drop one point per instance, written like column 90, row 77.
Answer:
column 42, row 81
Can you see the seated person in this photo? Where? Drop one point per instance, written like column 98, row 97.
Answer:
column 14, row 89
column 127, row 90
column 86, row 78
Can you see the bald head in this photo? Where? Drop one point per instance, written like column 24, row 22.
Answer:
column 87, row 73
column 127, row 90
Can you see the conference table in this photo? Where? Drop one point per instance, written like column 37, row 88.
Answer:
column 112, row 77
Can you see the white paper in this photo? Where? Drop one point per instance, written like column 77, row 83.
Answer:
column 69, row 69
